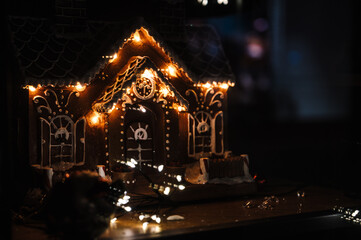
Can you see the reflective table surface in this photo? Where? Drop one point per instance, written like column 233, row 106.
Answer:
column 279, row 208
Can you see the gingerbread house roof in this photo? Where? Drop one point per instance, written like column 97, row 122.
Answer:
column 47, row 58
column 203, row 55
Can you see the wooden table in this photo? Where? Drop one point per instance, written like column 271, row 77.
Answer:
column 291, row 210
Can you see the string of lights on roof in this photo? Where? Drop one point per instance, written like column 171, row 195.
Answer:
column 222, row 85
column 78, row 87
column 170, row 70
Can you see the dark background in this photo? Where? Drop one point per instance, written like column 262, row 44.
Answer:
column 296, row 105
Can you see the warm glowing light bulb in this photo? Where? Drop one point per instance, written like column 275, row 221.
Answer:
column 136, row 36
column 145, row 225
column 172, row 71
column 166, row 191
column 79, row 87
column 132, row 160
column 179, row 108
column 130, row 164
column 142, row 109
column 207, row 85
column 164, row 91
column 95, row 118
column 127, row 208
column 160, row 168
column 113, row 107
column 147, row 74
column 113, row 58
column 128, row 90
column 355, row 213
column 224, row 86
column 32, row 88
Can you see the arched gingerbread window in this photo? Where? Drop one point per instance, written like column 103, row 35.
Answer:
column 62, row 142
column 61, row 139
column 205, row 134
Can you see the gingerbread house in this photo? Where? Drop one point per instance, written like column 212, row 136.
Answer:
column 122, row 92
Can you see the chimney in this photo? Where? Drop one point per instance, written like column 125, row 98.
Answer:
column 172, row 20
column 70, row 18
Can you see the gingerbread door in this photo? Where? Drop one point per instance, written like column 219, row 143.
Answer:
column 203, row 133
column 139, row 142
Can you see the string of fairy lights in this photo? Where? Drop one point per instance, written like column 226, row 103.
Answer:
column 167, row 186
column 349, row 214
column 163, row 190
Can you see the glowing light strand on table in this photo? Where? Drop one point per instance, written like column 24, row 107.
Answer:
column 164, row 190
column 133, row 164
column 349, row 214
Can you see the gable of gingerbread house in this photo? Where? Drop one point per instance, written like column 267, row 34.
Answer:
column 143, row 115
column 154, row 85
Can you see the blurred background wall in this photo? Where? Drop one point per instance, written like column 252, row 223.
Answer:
column 296, row 105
